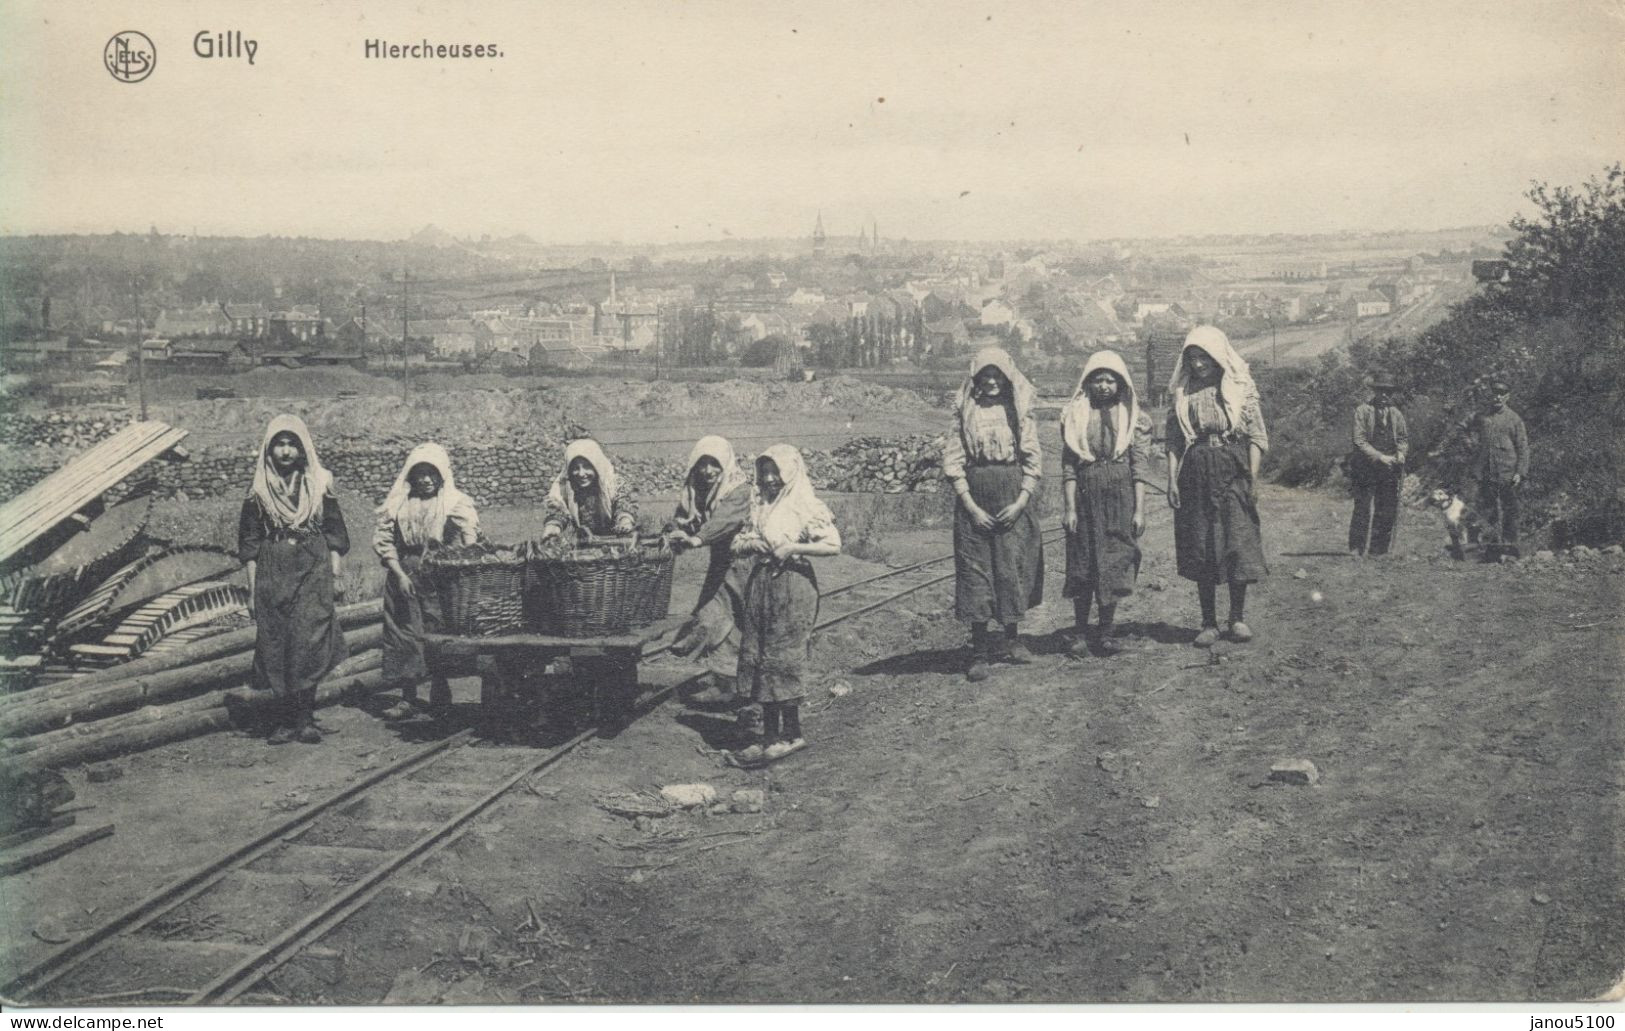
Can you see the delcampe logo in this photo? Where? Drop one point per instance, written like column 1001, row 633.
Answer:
column 130, row 56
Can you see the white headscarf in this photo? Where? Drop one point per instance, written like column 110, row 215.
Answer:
column 720, row 451
column 428, row 520
column 1080, row 410
column 562, row 494
column 796, row 509
column 1021, row 389
column 296, row 501
column 1235, row 382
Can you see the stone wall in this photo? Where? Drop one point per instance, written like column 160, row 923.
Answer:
column 520, row 472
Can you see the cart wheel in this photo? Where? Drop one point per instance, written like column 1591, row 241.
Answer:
column 508, row 699
column 612, row 683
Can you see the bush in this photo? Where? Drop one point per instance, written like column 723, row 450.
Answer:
column 1555, row 332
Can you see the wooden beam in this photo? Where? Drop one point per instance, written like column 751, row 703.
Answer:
column 122, row 696
column 178, row 728
column 30, row 858
column 363, row 613
column 355, row 665
column 83, row 479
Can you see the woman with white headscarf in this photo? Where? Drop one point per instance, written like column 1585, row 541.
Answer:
column 1216, row 440
column 423, row 509
column 586, row 500
column 993, row 460
column 1105, row 455
column 714, row 507
column 290, row 536
column 788, row 526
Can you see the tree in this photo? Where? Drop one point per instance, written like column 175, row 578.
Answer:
column 1570, row 258
column 764, row 353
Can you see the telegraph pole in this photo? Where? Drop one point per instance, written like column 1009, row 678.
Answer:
column 140, row 349
column 406, row 279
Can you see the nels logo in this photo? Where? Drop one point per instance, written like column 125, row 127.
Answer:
column 130, row 56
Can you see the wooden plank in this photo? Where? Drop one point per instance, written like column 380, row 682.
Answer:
column 82, row 467
column 634, row 639
column 16, row 838
column 30, row 858
column 77, row 484
column 26, row 518
column 360, row 616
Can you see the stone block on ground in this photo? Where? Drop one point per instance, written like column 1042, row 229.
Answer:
column 689, row 795
column 1295, row 771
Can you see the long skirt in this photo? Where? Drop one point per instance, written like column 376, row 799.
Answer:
column 1216, row 530
column 1102, row 556
column 711, row 635
column 298, row 640
column 998, row 575
column 781, row 606
column 406, row 619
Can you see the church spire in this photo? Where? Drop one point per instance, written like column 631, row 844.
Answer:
column 818, row 234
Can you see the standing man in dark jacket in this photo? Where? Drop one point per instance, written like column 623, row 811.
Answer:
column 1501, row 462
column 1377, row 467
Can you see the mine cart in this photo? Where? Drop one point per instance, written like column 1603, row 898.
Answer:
column 516, row 612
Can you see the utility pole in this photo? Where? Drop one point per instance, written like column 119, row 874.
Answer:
column 406, row 279
column 140, row 349
column 660, row 339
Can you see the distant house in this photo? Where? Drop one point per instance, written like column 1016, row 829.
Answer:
column 1144, row 307
column 997, row 314
column 1287, row 309
column 947, row 334
column 353, row 333
column 1105, row 288
column 1364, row 304
column 758, row 325
column 297, row 326
column 35, row 352
column 559, row 354
column 211, row 351
column 333, row 357
column 550, row 331
column 942, row 303
column 203, row 320
column 155, row 349
column 1087, row 328
column 805, row 296
column 500, row 335
column 448, row 338
column 247, row 320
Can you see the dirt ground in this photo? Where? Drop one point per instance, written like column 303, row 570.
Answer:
column 1077, row 831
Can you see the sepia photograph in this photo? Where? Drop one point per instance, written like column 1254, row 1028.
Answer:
column 563, row 506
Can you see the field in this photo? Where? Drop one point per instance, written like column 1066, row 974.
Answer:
column 1083, row 831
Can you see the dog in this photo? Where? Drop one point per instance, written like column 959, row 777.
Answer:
column 1459, row 519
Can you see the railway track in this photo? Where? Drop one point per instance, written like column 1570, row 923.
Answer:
column 215, row 933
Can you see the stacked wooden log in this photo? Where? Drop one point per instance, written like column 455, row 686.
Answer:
column 195, row 689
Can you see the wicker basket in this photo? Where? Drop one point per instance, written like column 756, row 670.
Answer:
column 481, row 588
column 599, row 589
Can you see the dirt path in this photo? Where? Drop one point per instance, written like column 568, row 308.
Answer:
column 1089, row 831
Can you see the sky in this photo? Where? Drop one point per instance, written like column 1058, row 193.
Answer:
column 684, row 120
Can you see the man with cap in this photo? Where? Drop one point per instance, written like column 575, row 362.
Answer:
column 1501, row 461
column 1376, row 467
